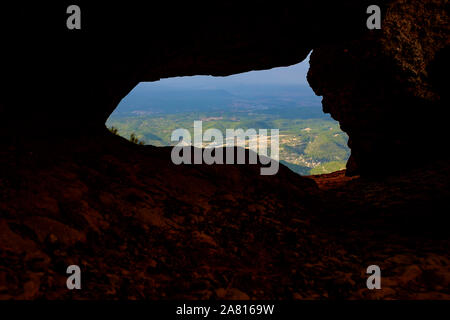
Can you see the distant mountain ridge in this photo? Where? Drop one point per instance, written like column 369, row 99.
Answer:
column 151, row 98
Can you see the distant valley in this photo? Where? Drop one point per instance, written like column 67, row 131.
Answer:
column 311, row 142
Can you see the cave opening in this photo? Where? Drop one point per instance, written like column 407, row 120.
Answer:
column 310, row 141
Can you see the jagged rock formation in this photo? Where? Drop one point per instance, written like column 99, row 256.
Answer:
column 379, row 88
column 141, row 227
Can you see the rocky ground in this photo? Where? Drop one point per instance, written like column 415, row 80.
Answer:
column 399, row 223
column 142, row 228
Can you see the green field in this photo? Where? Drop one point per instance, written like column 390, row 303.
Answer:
column 309, row 144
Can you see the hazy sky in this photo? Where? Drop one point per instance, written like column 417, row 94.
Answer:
column 295, row 74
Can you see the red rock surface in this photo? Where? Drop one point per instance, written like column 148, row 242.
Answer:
column 382, row 89
column 142, row 228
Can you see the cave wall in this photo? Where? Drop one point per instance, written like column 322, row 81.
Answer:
column 58, row 82
column 386, row 88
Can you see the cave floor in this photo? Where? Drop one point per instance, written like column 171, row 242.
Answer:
column 140, row 227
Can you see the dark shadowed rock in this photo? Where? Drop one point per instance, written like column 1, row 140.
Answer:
column 140, row 227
